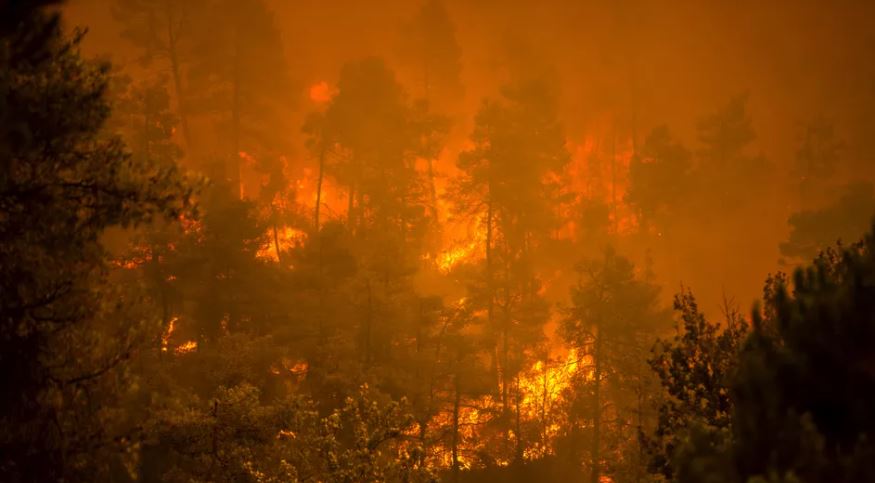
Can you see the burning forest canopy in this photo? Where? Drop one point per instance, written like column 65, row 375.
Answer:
column 264, row 240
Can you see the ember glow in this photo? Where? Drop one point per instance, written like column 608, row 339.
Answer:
column 185, row 347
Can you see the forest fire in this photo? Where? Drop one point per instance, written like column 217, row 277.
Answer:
column 165, row 337
column 320, row 92
column 186, row 347
column 441, row 240
column 449, row 258
column 541, row 391
column 281, row 239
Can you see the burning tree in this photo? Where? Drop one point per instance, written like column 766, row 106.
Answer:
column 508, row 181
column 613, row 318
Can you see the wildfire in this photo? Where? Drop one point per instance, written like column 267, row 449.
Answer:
column 448, row 259
column 139, row 257
column 599, row 173
column 464, row 239
column 542, row 389
column 320, row 92
column 127, row 264
column 186, row 347
column 287, row 238
column 295, row 368
column 165, row 337
column 541, row 392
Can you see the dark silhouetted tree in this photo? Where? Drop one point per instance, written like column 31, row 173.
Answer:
column 430, row 42
column 613, row 317
column 695, row 368
column 66, row 330
column 239, row 79
column 509, row 183
column 844, row 219
column 805, row 381
column 161, row 30
column 659, row 177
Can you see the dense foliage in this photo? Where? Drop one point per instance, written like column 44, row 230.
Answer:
column 187, row 295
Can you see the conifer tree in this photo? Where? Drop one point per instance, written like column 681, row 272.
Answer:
column 66, row 330
column 613, row 315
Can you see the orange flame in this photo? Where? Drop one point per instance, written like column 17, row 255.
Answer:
column 165, row 337
column 186, row 347
column 287, row 237
column 320, row 92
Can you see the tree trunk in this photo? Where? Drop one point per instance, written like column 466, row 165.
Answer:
column 235, row 180
column 369, row 317
column 490, row 295
column 519, row 432
column 614, row 183
column 505, row 347
column 544, row 399
column 457, row 397
column 276, row 239
column 597, row 411
column 175, row 71
column 505, row 355
column 433, row 191
column 319, row 188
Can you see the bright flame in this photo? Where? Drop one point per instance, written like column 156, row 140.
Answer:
column 186, row 347
column 449, row 259
column 165, row 337
column 287, row 238
column 320, row 92
column 542, row 389
column 542, row 393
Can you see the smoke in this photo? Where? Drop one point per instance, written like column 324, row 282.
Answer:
column 620, row 69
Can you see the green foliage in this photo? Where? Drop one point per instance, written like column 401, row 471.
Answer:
column 613, row 318
column 238, row 77
column 142, row 114
column 374, row 134
column 210, row 351
column 162, row 30
column 66, row 331
column 235, row 436
column 696, row 368
column 805, row 383
column 791, row 403
column 519, row 147
column 610, row 299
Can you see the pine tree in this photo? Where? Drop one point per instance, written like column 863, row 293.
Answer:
column 430, row 43
column 695, row 368
column 659, row 177
column 162, row 29
column 66, row 329
column 844, row 219
column 805, row 385
column 242, row 84
column 508, row 183
column 724, row 160
column 612, row 318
